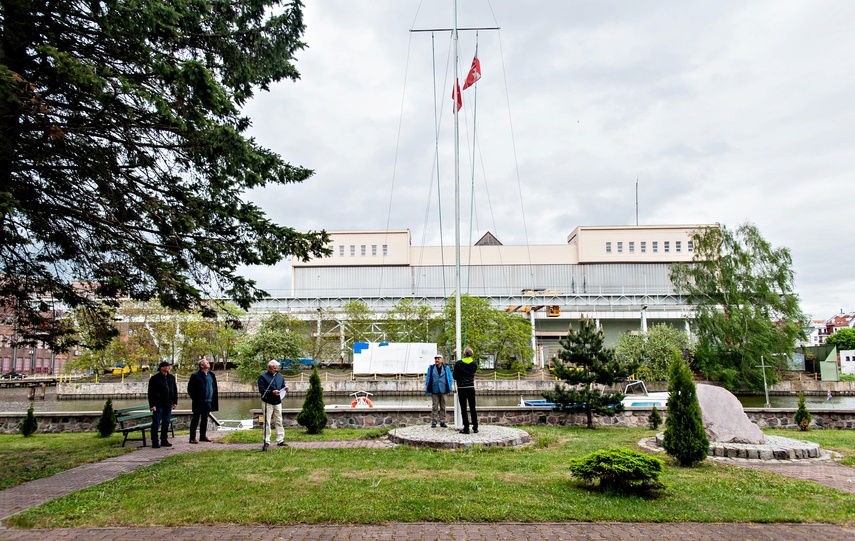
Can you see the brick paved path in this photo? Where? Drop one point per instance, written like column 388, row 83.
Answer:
column 600, row 531
column 31, row 494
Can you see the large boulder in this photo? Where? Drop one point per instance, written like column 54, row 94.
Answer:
column 724, row 419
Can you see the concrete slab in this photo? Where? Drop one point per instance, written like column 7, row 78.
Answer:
column 450, row 438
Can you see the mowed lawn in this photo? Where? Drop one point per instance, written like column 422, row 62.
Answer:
column 364, row 485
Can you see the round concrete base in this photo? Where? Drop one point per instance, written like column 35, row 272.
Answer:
column 450, row 438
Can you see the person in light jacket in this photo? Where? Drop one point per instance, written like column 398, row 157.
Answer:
column 438, row 383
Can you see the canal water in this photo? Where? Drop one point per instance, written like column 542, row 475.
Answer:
column 15, row 400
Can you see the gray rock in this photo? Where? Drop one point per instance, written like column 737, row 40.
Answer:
column 723, row 417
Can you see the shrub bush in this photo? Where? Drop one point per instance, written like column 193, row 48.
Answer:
column 619, row 469
column 685, row 438
column 654, row 418
column 107, row 421
column 313, row 416
column 802, row 416
column 30, row 424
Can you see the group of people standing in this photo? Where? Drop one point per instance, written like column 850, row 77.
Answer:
column 202, row 389
column 439, row 381
column 163, row 398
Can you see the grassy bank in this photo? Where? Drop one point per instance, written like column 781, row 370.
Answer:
column 25, row 459
column 404, row 484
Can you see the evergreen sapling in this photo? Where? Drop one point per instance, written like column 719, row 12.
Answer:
column 313, row 416
column 685, row 438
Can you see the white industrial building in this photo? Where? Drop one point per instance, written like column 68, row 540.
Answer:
column 617, row 275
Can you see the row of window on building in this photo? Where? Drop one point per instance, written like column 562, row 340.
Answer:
column 654, row 246
column 363, row 250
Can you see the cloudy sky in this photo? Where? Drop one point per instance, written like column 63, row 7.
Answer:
column 723, row 111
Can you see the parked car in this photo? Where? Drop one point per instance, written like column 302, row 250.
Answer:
column 12, row 375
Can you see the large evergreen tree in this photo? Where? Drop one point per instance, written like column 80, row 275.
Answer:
column 123, row 154
column 583, row 363
column 685, row 438
column 745, row 306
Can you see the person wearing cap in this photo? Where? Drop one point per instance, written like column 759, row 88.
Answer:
column 438, row 383
column 162, row 399
column 272, row 387
column 202, row 388
column 464, row 375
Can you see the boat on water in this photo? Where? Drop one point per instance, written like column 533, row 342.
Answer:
column 636, row 393
column 637, row 396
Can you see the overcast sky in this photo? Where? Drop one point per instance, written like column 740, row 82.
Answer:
column 724, row 111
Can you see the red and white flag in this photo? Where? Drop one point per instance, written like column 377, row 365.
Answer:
column 474, row 73
column 455, row 95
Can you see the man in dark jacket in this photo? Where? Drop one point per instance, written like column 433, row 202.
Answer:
column 162, row 399
column 464, row 376
column 202, row 389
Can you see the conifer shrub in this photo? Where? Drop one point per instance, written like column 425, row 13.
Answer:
column 313, row 416
column 685, row 438
column 802, row 416
column 107, row 421
column 619, row 469
column 654, row 418
column 30, row 424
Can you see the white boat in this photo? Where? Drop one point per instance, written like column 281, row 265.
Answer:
column 229, row 425
column 638, row 397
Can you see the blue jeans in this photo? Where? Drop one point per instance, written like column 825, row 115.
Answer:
column 160, row 417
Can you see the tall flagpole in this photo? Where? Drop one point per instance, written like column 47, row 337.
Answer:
column 458, row 419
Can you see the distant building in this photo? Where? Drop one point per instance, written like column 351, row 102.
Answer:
column 617, row 275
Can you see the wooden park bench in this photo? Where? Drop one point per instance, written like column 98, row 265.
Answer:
column 136, row 418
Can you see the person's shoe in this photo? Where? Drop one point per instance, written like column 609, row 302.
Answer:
column 265, row 446
column 282, row 444
column 194, row 441
column 155, row 446
column 165, row 444
column 204, row 439
column 433, row 425
column 443, row 425
column 475, row 429
column 465, row 431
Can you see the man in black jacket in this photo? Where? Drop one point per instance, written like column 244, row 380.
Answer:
column 162, row 399
column 202, row 389
column 464, row 376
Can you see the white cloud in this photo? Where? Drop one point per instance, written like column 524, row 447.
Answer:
column 725, row 111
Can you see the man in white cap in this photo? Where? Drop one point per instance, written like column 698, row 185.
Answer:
column 438, row 383
column 272, row 387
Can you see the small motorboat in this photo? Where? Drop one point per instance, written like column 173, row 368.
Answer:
column 638, row 397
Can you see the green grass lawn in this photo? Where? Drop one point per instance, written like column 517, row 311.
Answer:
column 42, row 455
column 364, row 485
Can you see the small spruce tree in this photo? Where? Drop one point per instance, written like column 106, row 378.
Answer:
column 30, row 424
column 107, row 421
column 685, row 438
column 654, row 418
column 313, row 416
column 802, row 416
column 584, row 363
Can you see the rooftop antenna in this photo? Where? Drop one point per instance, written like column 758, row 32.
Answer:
column 636, row 201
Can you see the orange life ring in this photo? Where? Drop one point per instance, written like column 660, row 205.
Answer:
column 365, row 400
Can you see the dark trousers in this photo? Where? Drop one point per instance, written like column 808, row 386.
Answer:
column 160, row 417
column 464, row 397
column 200, row 413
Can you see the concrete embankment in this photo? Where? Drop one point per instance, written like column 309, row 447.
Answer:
column 411, row 387
column 388, row 387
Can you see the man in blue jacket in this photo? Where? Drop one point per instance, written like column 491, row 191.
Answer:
column 438, row 383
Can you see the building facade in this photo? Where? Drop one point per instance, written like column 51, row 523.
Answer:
column 617, row 275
